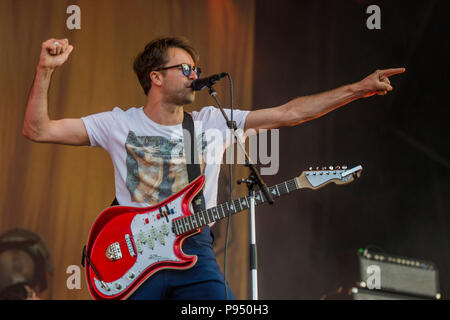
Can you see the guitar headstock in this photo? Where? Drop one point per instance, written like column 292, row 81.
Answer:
column 318, row 178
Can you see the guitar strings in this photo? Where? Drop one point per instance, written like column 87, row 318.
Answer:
column 285, row 187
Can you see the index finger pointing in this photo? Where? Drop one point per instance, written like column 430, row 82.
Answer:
column 391, row 72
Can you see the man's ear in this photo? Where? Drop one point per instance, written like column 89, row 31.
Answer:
column 155, row 78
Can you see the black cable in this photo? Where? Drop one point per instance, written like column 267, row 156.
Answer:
column 231, row 190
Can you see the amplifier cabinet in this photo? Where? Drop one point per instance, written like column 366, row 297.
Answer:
column 398, row 274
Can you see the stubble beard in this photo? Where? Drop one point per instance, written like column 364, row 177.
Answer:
column 181, row 97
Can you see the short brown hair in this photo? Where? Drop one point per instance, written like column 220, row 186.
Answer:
column 155, row 55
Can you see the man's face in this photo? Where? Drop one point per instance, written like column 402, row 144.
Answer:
column 176, row 86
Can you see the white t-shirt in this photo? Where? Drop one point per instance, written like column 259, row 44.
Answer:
column 148, row 158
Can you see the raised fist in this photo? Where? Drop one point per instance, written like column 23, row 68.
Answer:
column 54, row 53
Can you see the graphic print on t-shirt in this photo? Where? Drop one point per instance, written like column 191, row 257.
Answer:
column 156, row 167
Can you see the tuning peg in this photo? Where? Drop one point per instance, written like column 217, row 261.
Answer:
column 330, row 167
column 324, row 168
column 310, row 168
column 317, row 168
column 344, row 167
column 337, row 167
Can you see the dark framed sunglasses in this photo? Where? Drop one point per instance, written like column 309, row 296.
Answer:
column 185, row 68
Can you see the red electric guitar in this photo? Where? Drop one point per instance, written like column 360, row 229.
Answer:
column 127, row 245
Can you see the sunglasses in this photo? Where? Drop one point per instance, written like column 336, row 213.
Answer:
column 185, row 68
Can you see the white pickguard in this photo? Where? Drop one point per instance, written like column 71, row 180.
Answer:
column 154, row 240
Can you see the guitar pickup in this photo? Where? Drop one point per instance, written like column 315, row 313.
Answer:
column 130, row 245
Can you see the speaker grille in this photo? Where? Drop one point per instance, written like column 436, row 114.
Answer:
column 400, row 275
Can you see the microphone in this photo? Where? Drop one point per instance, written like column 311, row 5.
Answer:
column 199, row 84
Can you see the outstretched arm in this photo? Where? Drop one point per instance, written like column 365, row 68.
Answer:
column 37, row 125
column 310, row 107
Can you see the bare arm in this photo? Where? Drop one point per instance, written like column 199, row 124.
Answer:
column 310, row 107
column 37, row 125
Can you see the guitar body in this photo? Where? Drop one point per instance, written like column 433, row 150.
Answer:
column 127, row 245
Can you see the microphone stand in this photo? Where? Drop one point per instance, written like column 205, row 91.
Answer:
column 254, row 178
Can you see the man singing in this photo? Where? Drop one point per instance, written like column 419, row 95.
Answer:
column 147, row 149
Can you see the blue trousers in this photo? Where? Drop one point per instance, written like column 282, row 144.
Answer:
column 204, row 281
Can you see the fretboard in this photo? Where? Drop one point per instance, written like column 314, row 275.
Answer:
column 204, row 217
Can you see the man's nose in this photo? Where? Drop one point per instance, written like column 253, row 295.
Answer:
column 193, row 75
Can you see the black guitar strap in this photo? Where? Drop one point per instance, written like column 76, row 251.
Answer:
column 192, row 160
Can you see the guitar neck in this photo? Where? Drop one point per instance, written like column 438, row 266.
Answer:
column 221, row 211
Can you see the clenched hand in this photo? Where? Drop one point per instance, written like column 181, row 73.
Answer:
column 54, row 53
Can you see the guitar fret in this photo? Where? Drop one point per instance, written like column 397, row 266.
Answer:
column 239, row 202
column 209, row 212
column 228, row 211
column 248, row 201
column 223, row 211
column 181, row 225
column 293, row 184
column 207, row 216
column 296, row 184
column 287, row 187
column 283, row 189
column 278, row 191
column 243, row 203
column 201, row 216
column 194, row 220
column 218, row 212
column 186, row 223
column 231, row 208
column 175, row 227
column 215, row 213
column 204, row 219
column 197, row 220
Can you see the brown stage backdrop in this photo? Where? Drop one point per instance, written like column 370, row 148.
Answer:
column 57, row 191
